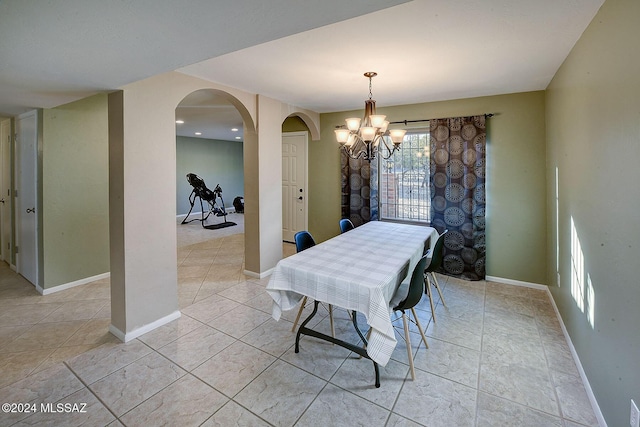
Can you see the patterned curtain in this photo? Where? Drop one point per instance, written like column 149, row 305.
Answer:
column 356, row 202
column 458, row 147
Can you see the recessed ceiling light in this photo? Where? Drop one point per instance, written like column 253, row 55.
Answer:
column 198, row 133
column 234, row 129
column 179, row 122
column 238, row 137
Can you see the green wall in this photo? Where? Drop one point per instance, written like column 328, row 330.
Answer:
column 75, row 191
column 295, row 124
column 516, row 182
column 593, row 140
column 215, row 161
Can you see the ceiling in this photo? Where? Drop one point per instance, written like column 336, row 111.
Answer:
column 310, row 54
column 210, row 116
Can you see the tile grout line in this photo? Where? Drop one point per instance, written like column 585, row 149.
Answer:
column 91, row 391
column 279, row 358
column 484, row 308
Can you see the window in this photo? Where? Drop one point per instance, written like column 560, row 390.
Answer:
column 404, row 180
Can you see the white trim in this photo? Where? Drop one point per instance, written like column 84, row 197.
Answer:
column 576, row 359
column 128, row 336
column 304, row 134
column 183, row 216
column 69, row 285
column 229, row 210
column 516, row 282
column 18, row 153
column 258, row 275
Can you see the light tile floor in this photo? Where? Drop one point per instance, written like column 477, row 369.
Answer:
column 496, row 357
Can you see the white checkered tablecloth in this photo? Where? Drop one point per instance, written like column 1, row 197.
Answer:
column 358, row 270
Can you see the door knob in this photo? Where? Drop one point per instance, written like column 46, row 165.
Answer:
column 32, row 210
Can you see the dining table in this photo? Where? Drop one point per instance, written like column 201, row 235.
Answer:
column 360, row 271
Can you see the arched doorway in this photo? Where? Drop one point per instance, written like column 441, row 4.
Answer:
column 295, row 148
column 298, row 130
column 209, row 144
column 142, row 193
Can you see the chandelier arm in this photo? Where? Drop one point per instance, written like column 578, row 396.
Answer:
column 386, row 157
column 359, row 147
column 360, row 154
column 389, row 150
column 386, row 147
column 359, row 143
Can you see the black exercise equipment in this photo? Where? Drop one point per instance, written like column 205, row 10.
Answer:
column 238, row 204
column 202, row 192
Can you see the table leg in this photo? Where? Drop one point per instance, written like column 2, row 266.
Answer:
column 304, row 324
column 356, row 349
column 354, row 319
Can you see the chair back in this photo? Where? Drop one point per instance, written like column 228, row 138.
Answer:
column 416, row 287
column 438, row 252
column 303, row 240
column 200, row 188
column 346, row 225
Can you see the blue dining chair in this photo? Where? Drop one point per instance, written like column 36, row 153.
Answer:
column 430, row 275
column 346, row 225
column 304, row 240
column 407, row 296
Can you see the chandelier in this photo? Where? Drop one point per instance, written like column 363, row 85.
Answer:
column 364, row 138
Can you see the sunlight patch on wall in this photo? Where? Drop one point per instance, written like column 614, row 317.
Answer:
column 557, row 230
column 577, row 268
column 590, row 309
column 581, row 286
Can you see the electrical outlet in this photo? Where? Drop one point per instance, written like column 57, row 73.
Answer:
column 634, row 419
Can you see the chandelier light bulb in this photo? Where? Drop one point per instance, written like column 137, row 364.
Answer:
column 342, row 135
column 397, row 135
column 353, row 124
column 377, row 120
column 367, row 133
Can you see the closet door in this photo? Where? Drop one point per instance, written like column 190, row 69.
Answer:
column 26, row 199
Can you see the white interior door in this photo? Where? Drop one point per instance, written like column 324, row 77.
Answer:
column 294, row 184
column 26, row 186
column 5, row 190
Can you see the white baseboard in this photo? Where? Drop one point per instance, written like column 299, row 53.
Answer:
column 128, row 336
column 69, row 285
column 516, row 283
column 576, row 359
column 574, row 354
column 183, row 216
column 199, row 213
column 258, row 275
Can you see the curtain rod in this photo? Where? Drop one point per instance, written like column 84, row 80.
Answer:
column 405, row 122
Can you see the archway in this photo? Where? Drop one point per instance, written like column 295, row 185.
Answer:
column 142, row 193
column 296, row 137
column 209, row 144
column 142, row 197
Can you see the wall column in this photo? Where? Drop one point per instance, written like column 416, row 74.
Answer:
column 142, row 239
column 263, row 186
